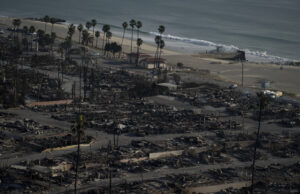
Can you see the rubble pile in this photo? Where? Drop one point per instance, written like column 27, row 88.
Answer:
column 60, row 141
column 26, row 126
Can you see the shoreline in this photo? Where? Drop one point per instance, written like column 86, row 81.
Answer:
column 61, row 32
column 186, row 45
column 285, row 79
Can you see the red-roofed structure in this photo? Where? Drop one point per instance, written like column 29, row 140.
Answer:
column 50, row 103
column 146, row 61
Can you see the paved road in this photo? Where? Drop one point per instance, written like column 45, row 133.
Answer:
column 200, row 169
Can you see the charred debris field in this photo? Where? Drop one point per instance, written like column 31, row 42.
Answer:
column 76, row 116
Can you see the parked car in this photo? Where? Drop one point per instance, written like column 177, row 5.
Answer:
column 233, row 86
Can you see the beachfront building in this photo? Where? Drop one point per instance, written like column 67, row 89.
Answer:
column 152, row 63
column 147, row 61
column 132, row 57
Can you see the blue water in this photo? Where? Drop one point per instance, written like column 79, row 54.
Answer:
column 268, row 30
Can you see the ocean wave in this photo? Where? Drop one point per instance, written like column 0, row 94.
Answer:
column 227, row 48
column 197, row 41
column 269, row 58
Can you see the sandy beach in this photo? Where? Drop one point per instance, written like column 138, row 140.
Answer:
column 61, row 32
column 285, row 79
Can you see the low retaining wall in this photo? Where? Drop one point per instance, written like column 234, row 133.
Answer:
column 65, row 147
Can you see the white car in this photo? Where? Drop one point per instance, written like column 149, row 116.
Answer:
column 1, row 31
column 233, row 86
column 272, row 94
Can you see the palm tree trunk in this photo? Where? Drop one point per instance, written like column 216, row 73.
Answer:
column 58, row 77
column 156, row 56
column 52, row 28
column 93, row 36
column 118, row 133
column 85, row 69
column 110, row 191
column 131, row 41
column 137, row 55
column 123, row 37
column 80, row 77
column 22, row 35
column 242, row 74
column 96, row 42
column 77, row 162
column 15, row 86
column 256, row 145
column 122, row 43
column 62, row 73
column 31, row 42
column 158, row 60
column 103, row 40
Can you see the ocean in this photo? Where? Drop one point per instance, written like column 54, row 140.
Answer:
column 267, row 30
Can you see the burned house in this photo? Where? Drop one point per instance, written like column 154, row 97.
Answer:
column 146, row 61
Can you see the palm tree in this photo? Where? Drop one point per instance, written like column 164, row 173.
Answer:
column 97, row 34
column 94, row 23
column 161, row 46
column 71, row 30
column 88, row 25
column 46, row 19
column 79, row 130
column 138, row 26
column 125, row 25
column 52, row 21
column 31, row 31
column 161, row 30
column 25, row 30
column 53, row 37
column 263, row 99
column 108, row 36
column 139, row 42
column 83, row 51
column 105, row 29
column 24, row 40
column 40, row 33
column 85, row 37
column 157, row 40
column 80, row 28
column 25, row 45
column 16, row 23
column 132, row 23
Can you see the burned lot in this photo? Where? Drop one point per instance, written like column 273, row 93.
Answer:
column 118, row 130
